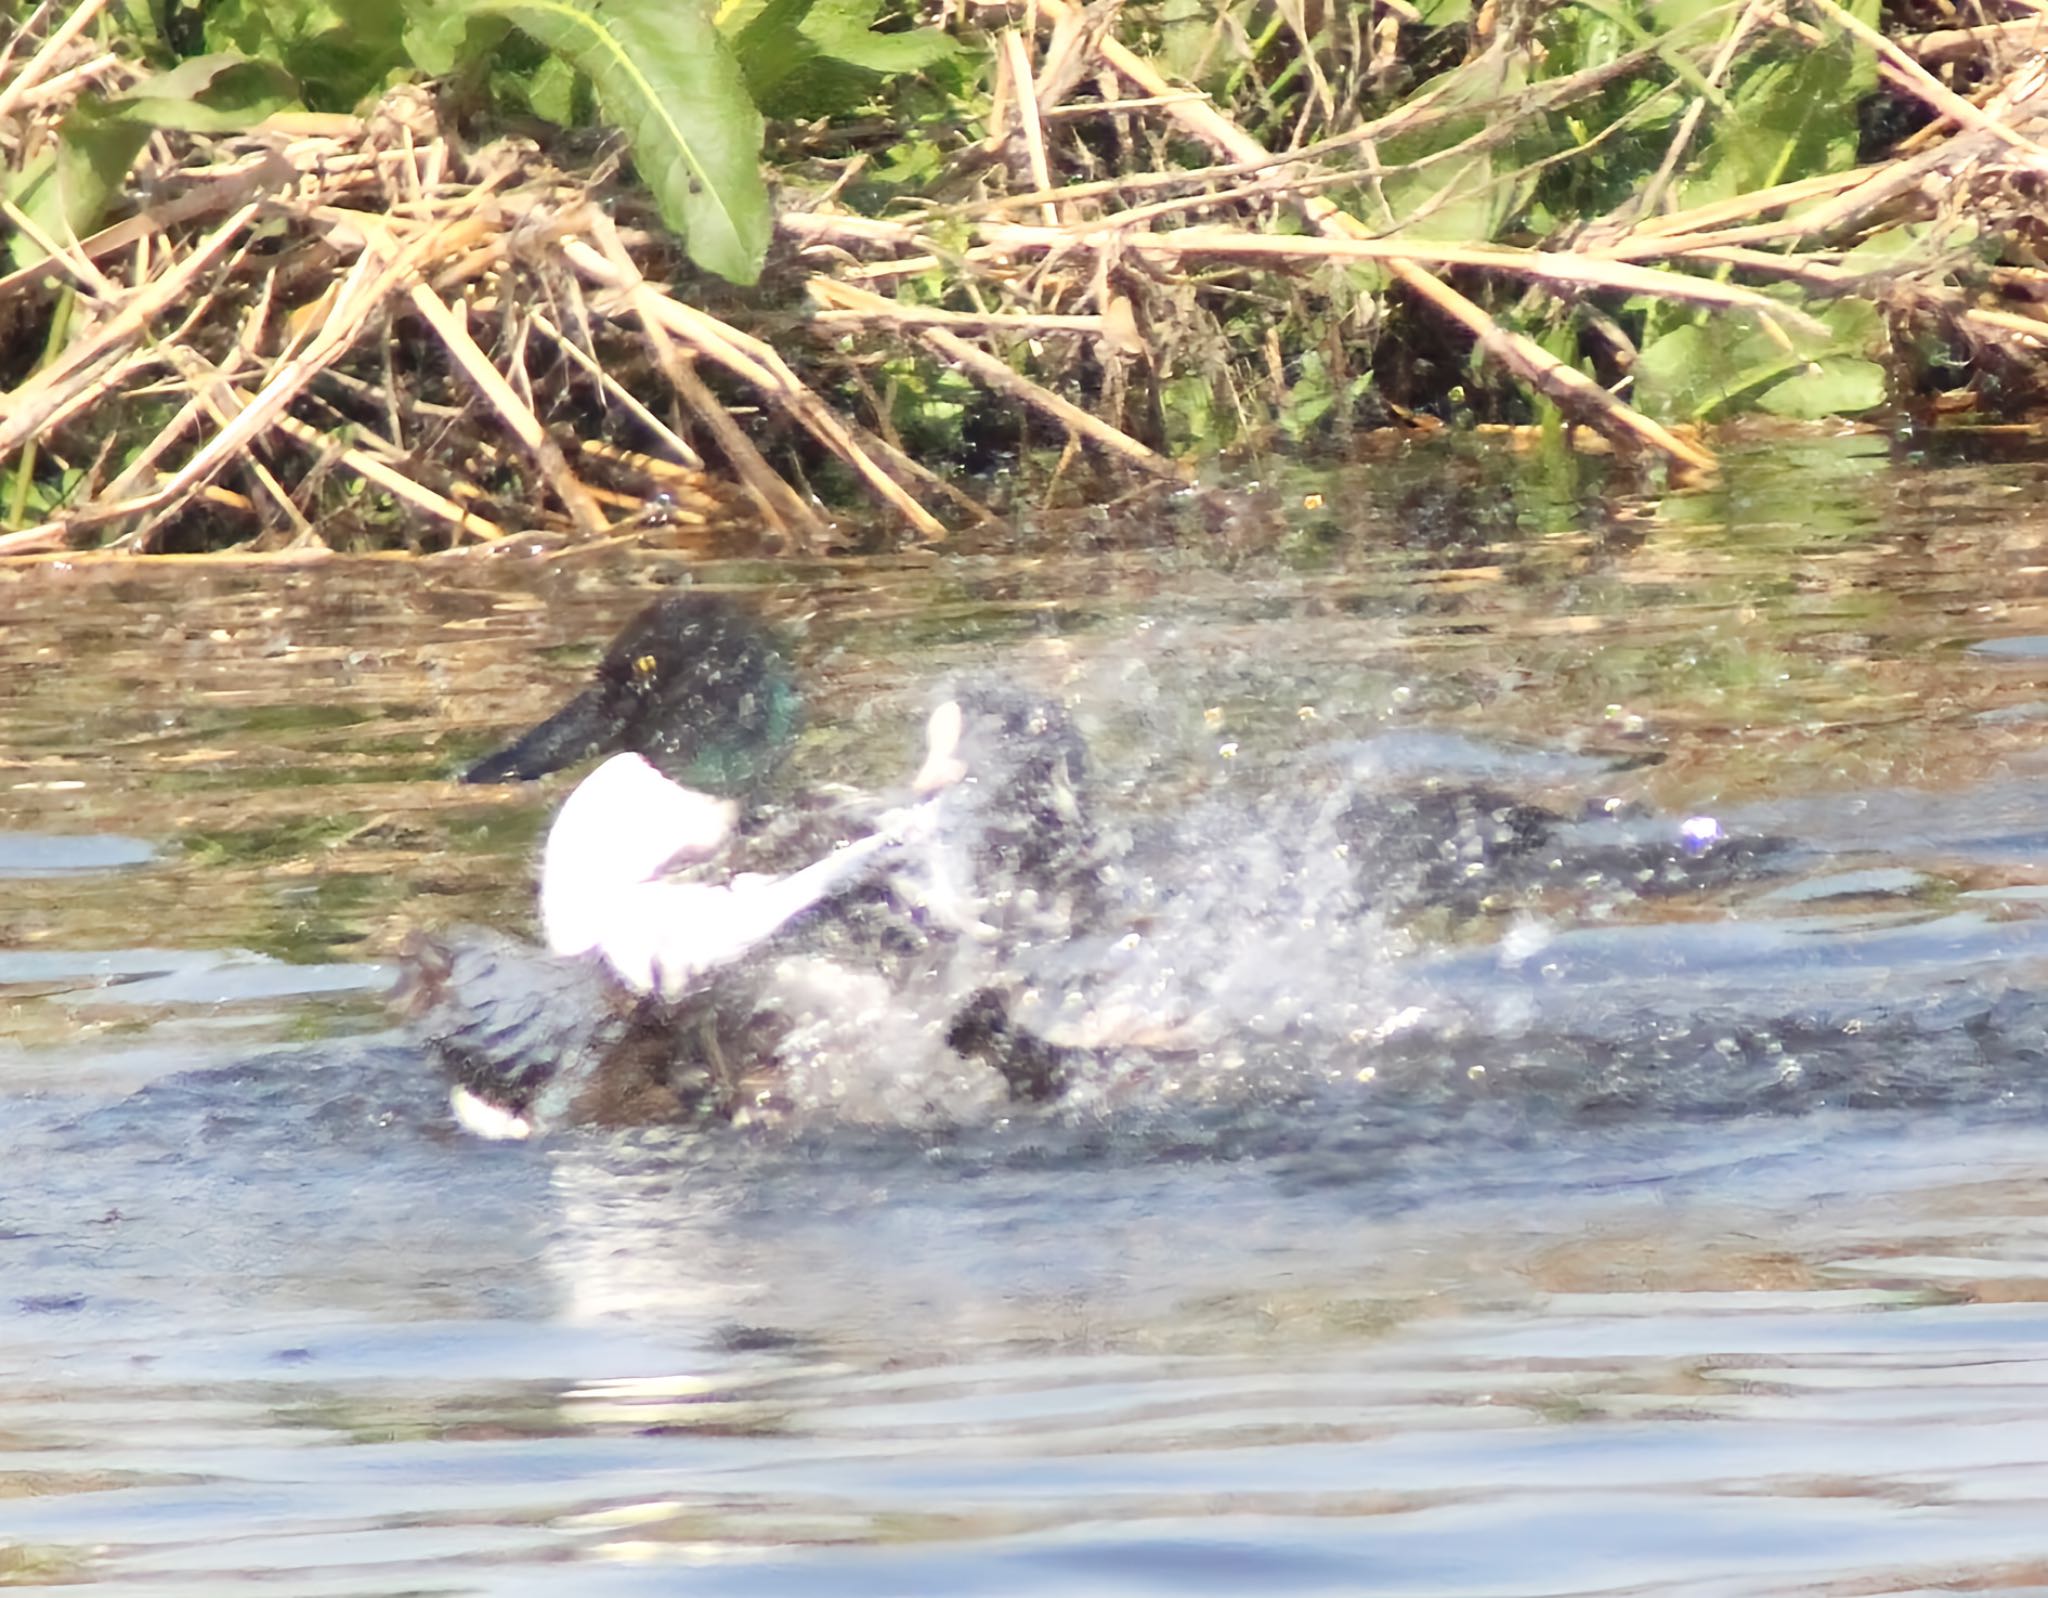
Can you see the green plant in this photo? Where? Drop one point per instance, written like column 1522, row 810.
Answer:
column 685, row 84
column 66, row 188
column 688, row 86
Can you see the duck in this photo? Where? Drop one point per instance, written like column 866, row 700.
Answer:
column 620, row 1012
column 972, row 939
column 692, row 708
column 694, row 943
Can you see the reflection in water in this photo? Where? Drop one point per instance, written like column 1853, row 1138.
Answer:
column 1686, row 1241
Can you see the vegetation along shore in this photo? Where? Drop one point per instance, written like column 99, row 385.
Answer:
column 289, row 274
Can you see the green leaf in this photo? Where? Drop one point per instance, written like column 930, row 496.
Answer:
column 1835, row 385
column 340, row 52
column 1468, row 197
column 440, row 38
column 806, row 58
column 1188, row 404
column 1309, row 399
column 1790, row 113
column 1444, row 13
column 666, row 77
column 208, row 94
column 67, row 193
column 1707, row 366
column 551, row 91
column 766, row 39
column 844, row 30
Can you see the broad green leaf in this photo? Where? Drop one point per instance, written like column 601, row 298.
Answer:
column 1187, row 35
column 1676, row 373
column 551, row 91
column 1789, row 114
column 1897, row 249
column 1444, row 13
column 1835, row 385
column 67, row 192
column 1671, row 15
column 666, row 77
column 1188, row 406
column 1310, row 398
column 340, row 52
column 208, row 94
column 817, row 57
column 1468, row 197
column 440, row 38
column 38, row 192
column 1718, row 365
column 767, row 40
column 844, row 30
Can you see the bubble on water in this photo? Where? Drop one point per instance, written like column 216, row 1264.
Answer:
column 1700, row 833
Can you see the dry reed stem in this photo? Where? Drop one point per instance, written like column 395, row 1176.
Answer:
column 420, row 242
column 1077, row 421
column 779, row 504
column 1024, row 106
column 144, row 463
column 393, row 257
column 32, row 403
column 1548, row 266
column 214, row 392
column 60, row 253
column 1537, row 366
column 1918, row 81
column 28, row 28
column 399, row 484
column 38, row 65
column 1992, row 325
column 516, row 414
column 361, row 292
column 1985, row 39
column 1650, row 199
column 757, row 363
column 1575, row 393
column 674, row 480
column 844, row 299
column 156, row 220
column 1779, row 196
column 388, row 261
column 618, row 393
column 903, row 317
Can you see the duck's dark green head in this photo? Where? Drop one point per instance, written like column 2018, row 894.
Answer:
column 695, row 683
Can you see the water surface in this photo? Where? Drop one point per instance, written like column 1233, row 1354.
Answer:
column 1687, row 1241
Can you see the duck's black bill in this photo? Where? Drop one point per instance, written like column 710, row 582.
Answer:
column 585, row 726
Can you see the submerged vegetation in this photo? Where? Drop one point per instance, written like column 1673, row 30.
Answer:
column 436, row 271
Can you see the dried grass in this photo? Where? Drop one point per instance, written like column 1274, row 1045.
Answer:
column 364, row 302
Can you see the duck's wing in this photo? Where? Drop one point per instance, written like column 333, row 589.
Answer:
column 1007, row 853
column 608, row 887
column 624, row 826
column 519, row 1033
column 665, row 936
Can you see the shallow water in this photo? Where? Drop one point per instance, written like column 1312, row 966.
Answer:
column 1692, row 1241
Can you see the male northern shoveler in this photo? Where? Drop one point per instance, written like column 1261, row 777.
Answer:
column 682, row 948
column 970, row 940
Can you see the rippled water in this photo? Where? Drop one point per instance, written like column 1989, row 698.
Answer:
column 1694, row 1242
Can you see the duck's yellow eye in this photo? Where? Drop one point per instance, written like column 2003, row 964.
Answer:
column 644, row 666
